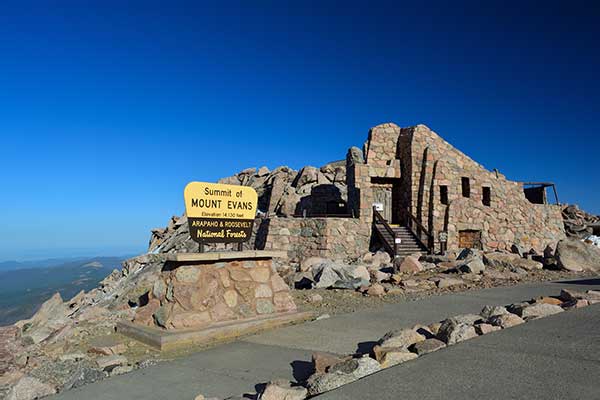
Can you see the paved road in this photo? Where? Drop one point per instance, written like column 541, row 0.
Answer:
column 236, row 368
column 557, row 357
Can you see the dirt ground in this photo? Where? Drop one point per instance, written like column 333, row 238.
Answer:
column 338, row 301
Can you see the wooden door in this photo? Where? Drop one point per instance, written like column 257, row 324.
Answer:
column 383, row 195
column 469, row 239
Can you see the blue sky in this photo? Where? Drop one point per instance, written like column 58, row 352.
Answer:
column 108, row 110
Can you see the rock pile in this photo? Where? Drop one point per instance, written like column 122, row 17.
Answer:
column 282, row 192
column 375, row 274
column 578, row 223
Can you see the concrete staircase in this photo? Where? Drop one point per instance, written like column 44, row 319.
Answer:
column 409, row 245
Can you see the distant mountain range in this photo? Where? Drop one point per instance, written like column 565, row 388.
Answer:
column 24, row 286
column 50, row 262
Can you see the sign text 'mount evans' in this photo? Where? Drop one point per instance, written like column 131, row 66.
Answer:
column 220, row 213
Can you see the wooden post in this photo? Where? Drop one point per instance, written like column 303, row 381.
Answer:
column 555, row 194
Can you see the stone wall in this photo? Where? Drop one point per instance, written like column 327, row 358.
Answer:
column 199, row 294
column 509, row 218
column 336, row 238
column 424, row 162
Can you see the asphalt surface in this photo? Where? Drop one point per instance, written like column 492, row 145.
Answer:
column 556, row 356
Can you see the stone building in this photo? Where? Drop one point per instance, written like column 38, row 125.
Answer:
column 427, row 196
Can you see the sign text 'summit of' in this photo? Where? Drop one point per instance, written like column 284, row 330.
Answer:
column 220, row 213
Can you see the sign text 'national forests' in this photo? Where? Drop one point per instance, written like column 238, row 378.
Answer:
column 220, row 213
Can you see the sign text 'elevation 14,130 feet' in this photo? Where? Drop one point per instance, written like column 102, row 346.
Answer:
column 220, row 213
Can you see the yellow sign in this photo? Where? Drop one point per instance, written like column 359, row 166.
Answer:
column 220, row 213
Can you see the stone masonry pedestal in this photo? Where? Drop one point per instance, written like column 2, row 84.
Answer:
column 214, row 295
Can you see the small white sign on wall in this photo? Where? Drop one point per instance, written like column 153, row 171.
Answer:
column 378, row 206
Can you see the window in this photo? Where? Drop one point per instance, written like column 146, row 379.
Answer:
column 466, row 187
column 444, row 194
column 487, row 196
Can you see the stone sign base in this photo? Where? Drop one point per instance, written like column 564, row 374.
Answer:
column 221, row 332
column 202, row 297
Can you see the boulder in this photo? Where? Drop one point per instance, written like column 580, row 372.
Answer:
column 303, row 280
column 549, row 300
column 473, row 266
column 283, row 390
column 469, row 319
column 306, row 176
column 452, row 332
column 390, row 356
column 29, row 388
column 427, row 346
column 568, row 305
column 309, row 263
column 489, row 311
column 262, row 171
column 380, row 276
column 506, row 320
column 376, row 290
column 50, row 318
column 410, row 265
column 570, row 295
column 536, row 310
column 355, row 155
column 575, row 255
column 341, row 276
column 322, row 361
column 510, row 261
column 484, row 329
column 434, row 328
column 403, row 338
column 341, row 374
column 467, row 254
column 516, row 249
column 360, row 272
column 381, row 258
column 326, row 277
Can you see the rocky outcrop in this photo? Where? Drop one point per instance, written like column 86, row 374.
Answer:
column 511, row 261
column 281, row 192
column 578, row 223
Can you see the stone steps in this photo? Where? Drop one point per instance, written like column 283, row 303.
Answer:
column 409, row 245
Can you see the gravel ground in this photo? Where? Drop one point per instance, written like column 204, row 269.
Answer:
column 337, row 301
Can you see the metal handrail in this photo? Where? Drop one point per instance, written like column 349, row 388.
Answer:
column 379, row 218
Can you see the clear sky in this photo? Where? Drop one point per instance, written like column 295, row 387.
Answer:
column 107, row 110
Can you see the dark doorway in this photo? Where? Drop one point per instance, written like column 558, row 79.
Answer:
column 386, row 194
